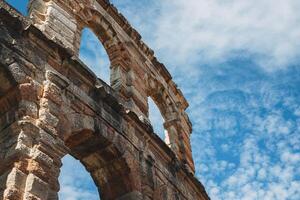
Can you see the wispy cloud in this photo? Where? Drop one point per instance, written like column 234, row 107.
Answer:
column 75, row 182
column 235, row 61
column 256, row 131
column 200, row 31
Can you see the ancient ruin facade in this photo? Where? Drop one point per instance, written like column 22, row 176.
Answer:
column 52, row 105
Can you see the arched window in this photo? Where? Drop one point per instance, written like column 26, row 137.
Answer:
column 156, row 119
column 93, row 54
column 75, row 182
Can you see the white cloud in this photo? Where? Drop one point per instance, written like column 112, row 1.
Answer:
column 185, row 32
column 69, row 192
column 75, row 182
column 213, row 31
column 274, row 124
column 267, row 154
column 291, row 158
column 272, row 181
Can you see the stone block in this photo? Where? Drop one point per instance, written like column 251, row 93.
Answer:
column 65, row 17
column 131, row 196
column 28, row 196
column 82, row 122
column 25, row 139
column 16, row 179
column 27, row 109
column 28, row 91
column 19, row 75
column 37, row 187
column 17, row 150
column 41, row 157
column 52, row 142
column 47, row 118
column 11, row 194
column 57, row 79
column 53, row 92
column 50, row 106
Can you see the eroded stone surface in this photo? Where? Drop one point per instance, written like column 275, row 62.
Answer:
column 52, row 105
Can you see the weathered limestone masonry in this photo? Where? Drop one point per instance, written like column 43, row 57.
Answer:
column 51, row 105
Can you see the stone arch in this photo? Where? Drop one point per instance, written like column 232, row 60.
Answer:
column 63, row 21
column 15, row 102
column 93, row 19
column 159, row 94
column 115, row 48
column 104, row 154
column 62, row 107
column 176, row 123
column 51, row 128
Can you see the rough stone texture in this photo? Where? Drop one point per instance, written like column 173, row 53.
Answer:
column 51, row 105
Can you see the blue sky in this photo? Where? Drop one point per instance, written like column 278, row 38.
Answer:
column 237, row 63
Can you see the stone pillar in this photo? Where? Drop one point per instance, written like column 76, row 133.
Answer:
column 178, row 139
column 32, row 164
column 172, row 138
column 30, row 149
column 126, row 80
column 177, row 125
column 15, row 148
column 56, row 22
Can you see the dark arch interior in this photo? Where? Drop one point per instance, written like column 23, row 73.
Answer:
column 104, row 161
column 6, row 80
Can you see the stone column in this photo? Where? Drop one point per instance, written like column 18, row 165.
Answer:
column 177, row 125
column 126, row 79
column 30, row 150
column 56, row 22
column 178, row 139
column 15, row 149
column 31, row 165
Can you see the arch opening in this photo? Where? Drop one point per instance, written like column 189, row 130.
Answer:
column 157, row 119
column 75, row 182
column 94, row 55
column 104, row 159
